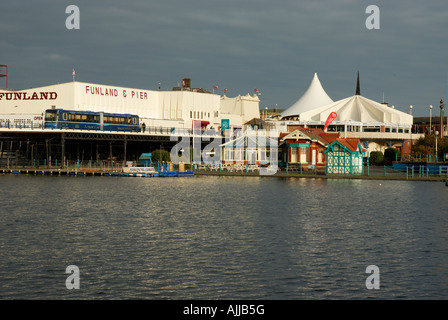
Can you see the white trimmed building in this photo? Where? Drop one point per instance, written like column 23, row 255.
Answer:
column 376, row 124
column 174, row 109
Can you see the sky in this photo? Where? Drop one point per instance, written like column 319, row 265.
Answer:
column 273, row 46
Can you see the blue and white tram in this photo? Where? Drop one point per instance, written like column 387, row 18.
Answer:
column 89, row 120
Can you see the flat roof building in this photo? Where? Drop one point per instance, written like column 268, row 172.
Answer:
column 177, row 108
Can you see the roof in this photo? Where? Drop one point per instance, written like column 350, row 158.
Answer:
column 358, row 109
column 315, row 96
column 324, row 138
column 425, row 120
column 351, row 143
column 251, row 140
column 258, row 122
column 145, row 156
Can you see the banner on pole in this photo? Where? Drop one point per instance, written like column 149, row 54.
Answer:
column 330, row 119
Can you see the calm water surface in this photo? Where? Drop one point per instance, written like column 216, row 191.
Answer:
column 222, row 238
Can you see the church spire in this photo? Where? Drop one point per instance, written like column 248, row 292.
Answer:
column 358, row 90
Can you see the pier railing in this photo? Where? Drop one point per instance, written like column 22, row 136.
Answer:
column 20, row 125
column 409, row 172
column 149, row 130
column 90, row 165
column 389, row 172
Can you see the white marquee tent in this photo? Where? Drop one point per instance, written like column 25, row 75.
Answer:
column 315, row 106
column 314, row 97
column 358, row 109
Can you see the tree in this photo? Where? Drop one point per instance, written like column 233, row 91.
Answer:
column 160, row 155
column 426, row 146
column 376, row 158
column 390, row 155
column 442, row 148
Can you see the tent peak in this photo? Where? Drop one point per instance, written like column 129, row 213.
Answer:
column 358, row 90
column 315, row 96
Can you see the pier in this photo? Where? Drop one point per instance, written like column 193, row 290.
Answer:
column 86, row 172
column 55, row 172
column 64, row 148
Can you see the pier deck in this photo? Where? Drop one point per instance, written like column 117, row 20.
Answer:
column 91, row 172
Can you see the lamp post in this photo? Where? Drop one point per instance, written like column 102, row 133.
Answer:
column 441, row 118
column 437, row 133
column 410, row 109
column 430, row 118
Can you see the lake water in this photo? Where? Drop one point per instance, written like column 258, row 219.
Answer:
column 210, row 237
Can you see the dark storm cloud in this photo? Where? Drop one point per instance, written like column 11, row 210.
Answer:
column 274, row 46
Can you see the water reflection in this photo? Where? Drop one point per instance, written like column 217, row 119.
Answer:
column 222, row 237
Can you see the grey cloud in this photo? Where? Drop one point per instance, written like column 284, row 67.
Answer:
column 275, row 46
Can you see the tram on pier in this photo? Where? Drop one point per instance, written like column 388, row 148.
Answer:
column 89, row 120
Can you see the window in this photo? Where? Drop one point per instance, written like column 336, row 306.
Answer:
column 252, row 156
column 114, row 120
column 303, row 154
column 262, row 154
column 293, row 154
column 228, row 153
column 51, row 115
column 239, row 154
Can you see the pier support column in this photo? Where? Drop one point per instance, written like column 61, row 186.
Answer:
column 62, row 149
column 1, row 153
column 97, row 154
column 110, row 155
column 27, row 149
column 125, row 145
column 32, row 154
column 46, row 150
column 77, row 150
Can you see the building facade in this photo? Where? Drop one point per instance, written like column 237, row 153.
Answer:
column 304, row 148
column 377, row 125
column 179, row 108
column 344, row 156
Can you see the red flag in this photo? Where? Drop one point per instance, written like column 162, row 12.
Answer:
column 330, row 119
column 215, row 87
column 256, row 90
column 225, row 90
